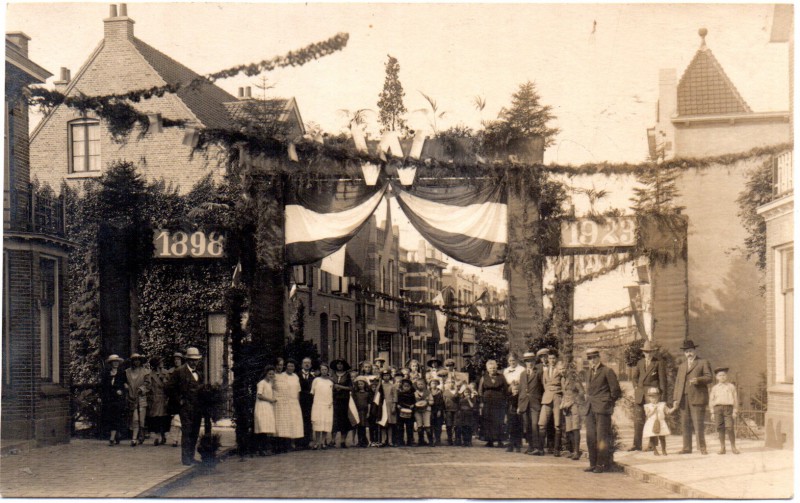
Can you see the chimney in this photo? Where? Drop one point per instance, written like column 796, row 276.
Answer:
column 241, row 93
column 248, row 92
column 65, row 77
column 20, row 40
column 118, row 26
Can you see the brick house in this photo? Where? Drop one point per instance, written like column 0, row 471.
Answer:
column 700, row 115
column 778, row 215
column 70, row 147
column 35, row 377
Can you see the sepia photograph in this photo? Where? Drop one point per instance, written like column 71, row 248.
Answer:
column 444, row 251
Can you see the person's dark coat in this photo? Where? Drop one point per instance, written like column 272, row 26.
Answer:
column 696, row 393
column 531, row 390
column 646, row 376
column 114, row 396
column 602, row 391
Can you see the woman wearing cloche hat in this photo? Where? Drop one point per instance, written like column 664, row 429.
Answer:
column 112, row 397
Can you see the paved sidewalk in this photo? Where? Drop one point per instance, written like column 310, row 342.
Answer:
column 756, row 473
column 90, row 468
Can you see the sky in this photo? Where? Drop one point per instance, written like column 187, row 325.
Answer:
column 595, row 64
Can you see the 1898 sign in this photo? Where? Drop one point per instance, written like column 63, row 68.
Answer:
column 181, row 244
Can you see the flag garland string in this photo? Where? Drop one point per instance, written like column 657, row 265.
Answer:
column 315, row 155
column 620, row 313
column 122, row 117
column 447, row 309
column 594, row 275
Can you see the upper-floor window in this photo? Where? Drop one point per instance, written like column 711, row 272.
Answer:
column 84, row 138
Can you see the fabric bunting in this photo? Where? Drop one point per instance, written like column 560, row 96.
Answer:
column 319, row 221
column 467, row 223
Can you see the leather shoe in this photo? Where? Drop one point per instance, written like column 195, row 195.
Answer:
column 684, row 451
column 598, row 469
column 590, row 469
column 634, row 449
column 704, row 452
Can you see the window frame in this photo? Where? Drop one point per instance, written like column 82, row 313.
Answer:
column 784, row 358
column 49, row 361
column 86, row 124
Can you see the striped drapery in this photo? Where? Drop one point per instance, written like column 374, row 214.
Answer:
column 469, row 224
column 320, row 219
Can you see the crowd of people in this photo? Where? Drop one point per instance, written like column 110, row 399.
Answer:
column 543, row 402
column 148, row 397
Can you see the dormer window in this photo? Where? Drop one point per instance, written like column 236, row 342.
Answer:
column 84, row 142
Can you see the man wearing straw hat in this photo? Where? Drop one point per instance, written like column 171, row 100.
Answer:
column 185, row 384
column 648, row 373
column 137, row 382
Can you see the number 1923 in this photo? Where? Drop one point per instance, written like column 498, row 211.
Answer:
column 181, row 244
column 614, row 232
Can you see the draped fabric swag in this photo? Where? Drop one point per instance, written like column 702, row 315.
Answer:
column 469, row 224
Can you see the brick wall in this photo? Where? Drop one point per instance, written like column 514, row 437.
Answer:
column 726, row 308
column 118, row 67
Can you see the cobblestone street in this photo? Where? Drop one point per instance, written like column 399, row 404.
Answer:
column 442, row 472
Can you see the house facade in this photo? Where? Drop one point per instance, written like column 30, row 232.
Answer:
column 702, row 114
column 35, row 374
column 778, row 215
column 69, row 147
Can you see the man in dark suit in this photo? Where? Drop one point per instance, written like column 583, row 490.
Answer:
column 649, row 372
column 602, row 391
column 306, row 400
column 691, row 395
column 185, row 383
column 529, row 403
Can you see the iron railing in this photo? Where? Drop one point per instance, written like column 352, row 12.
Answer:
column 32, row 210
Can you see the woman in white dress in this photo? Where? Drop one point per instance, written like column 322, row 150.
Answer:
column 322, row 408
column 288, row 416
column 264, row 413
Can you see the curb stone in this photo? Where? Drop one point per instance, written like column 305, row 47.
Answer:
column 157, row 490
column 683, row 490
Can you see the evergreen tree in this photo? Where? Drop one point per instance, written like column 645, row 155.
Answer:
column 390, row 102
column 526, row 117
column 658, row 192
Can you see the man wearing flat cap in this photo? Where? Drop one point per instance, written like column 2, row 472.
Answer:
column 649, row 373
column 691, row 396
column 602, row 392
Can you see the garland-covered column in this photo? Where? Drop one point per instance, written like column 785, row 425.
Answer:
column 525, row 263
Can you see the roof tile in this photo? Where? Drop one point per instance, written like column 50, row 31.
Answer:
column 705, row 89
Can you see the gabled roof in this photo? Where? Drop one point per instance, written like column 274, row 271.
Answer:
column 283, row 110
column 206, row 100
column 705, row 89
column 15, row 57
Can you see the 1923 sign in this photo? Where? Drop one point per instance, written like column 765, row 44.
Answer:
column 181, row 244
column 586, row 233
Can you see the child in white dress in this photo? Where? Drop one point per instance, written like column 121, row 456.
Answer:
column 322, row 407
column 655, row 427
column 264, row 413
